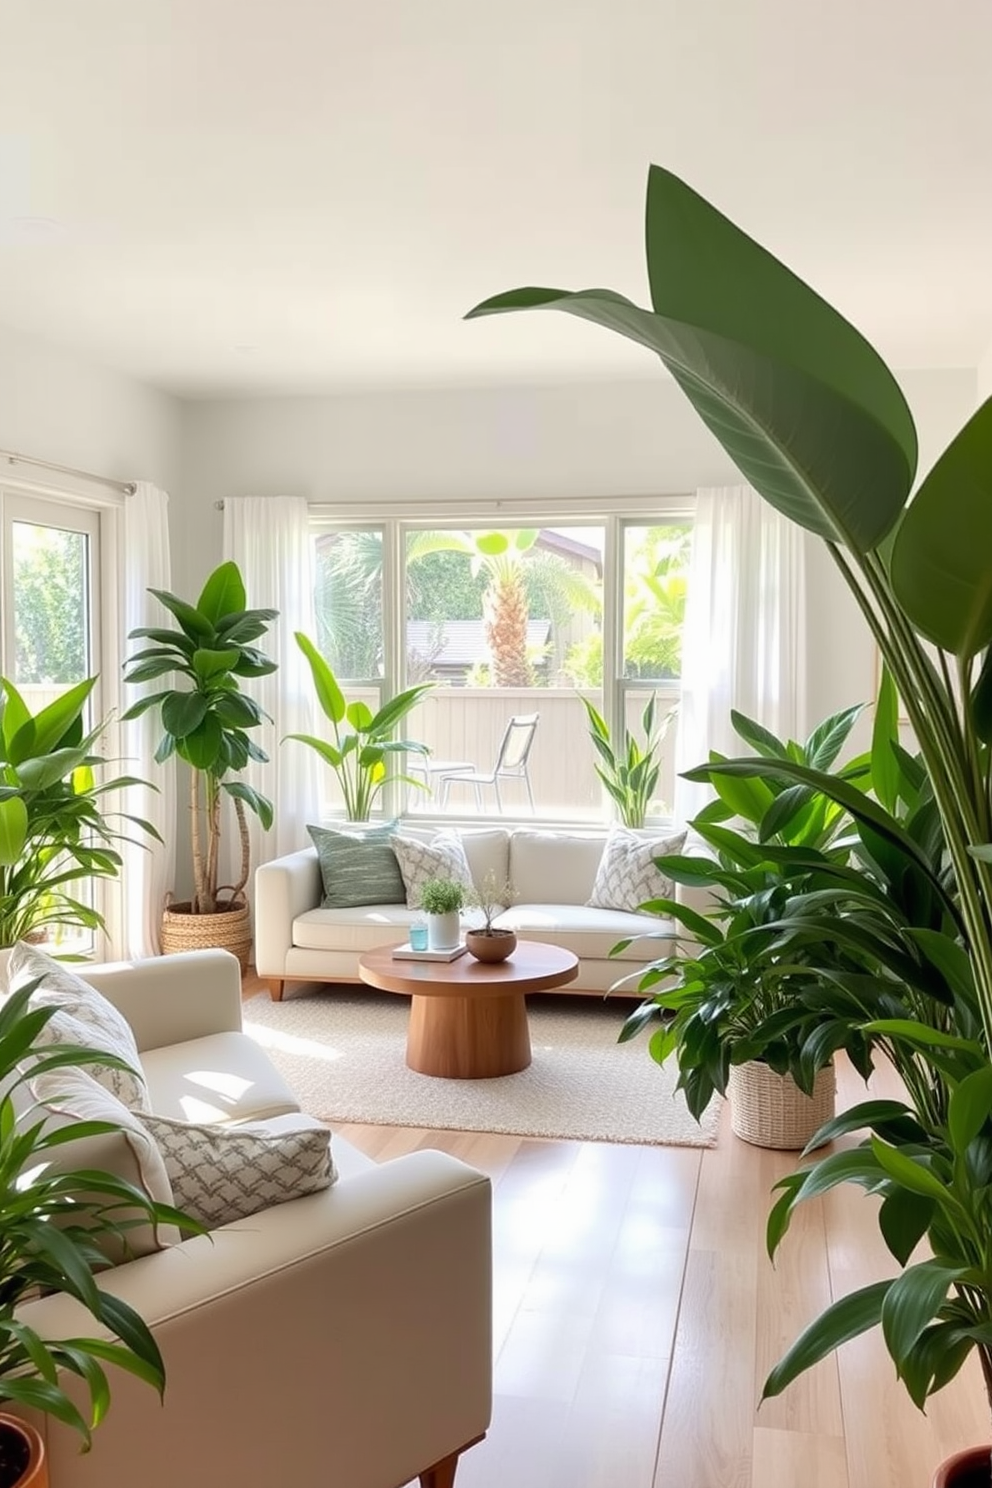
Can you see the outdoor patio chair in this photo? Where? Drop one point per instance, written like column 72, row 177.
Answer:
column 511, row 763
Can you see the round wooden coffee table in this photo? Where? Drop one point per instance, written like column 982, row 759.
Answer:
column 468, row 1019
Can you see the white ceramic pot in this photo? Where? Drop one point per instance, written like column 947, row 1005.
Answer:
column 443, row 931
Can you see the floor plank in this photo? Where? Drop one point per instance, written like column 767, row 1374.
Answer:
column 637, row 1314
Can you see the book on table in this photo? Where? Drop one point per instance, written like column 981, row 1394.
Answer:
column 407, row 953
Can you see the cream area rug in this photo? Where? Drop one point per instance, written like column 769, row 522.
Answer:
column 342, row 1050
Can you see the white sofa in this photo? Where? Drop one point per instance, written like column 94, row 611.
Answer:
column 342, row 1339
column 552, row 872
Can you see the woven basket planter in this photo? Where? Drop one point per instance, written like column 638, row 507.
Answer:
column 769, row 1110
column 225, row 929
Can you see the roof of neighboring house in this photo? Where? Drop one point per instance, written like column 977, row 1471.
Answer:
column 463, row 642
column 569, row 547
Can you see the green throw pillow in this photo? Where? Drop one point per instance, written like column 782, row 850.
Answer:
column 358, row 866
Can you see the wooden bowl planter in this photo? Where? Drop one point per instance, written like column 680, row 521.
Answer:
column 769, row 1110
column 22, row 1455
column 227, row 929
column 969, row 1469
column 492, row 945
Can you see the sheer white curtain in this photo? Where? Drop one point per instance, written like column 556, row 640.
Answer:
column 744, row 637
column 148, row 872
column 269, row 539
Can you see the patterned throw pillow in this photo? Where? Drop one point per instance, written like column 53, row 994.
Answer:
column 72, row 1093
column 358, row 866
column 223, row 1173
column 83, row 1016
column 444, row 857
column 627, row 876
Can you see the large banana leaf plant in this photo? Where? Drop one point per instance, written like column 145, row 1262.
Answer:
column 816, row 421
column 56, row 834
column 363, row 751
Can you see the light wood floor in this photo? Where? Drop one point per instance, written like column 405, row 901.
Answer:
column 636, row 1314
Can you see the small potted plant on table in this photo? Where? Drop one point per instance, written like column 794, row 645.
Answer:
column 441, row 899
column 489, row 942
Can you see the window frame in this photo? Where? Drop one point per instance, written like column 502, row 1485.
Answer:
column 613, row 515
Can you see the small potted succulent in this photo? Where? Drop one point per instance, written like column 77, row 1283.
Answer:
column 489, row 942
column 441, row 899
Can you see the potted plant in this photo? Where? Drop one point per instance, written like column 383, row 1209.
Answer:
column 629, row 769
column 54, row 833
column 817, row 423
column 206, row 718
column 52, row 1222
column 489, row 942
column 441, row 899
column 739, row 998
column 363, row 748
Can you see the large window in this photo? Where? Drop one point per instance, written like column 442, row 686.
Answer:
column 51, row 621
column 513, row 624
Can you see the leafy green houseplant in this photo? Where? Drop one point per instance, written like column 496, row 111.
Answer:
column 629, row 767
column 363, row 748
column 54, row 832
column 52, row 1223
column 207, row 718
column 817, row 423
column 441, row 899
column 743, row 988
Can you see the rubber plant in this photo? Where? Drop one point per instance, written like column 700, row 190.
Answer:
column 206, row 716
column 817, row 423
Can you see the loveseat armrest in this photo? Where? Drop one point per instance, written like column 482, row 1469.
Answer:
column 285, row 888
column 352, row 1327
column 169, row 999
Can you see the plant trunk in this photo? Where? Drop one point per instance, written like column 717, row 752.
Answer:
column 199, row 877
column 239, row 811
column 505, row 611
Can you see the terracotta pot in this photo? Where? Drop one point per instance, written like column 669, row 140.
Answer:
column 495, row 946
column 22, row 1455
column 969, row 1469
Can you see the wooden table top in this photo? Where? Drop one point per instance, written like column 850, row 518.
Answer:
column 532, row 967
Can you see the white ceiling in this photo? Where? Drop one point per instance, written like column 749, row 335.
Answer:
column 243, row 195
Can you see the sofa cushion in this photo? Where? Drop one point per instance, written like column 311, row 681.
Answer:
column 443, row 857
column 71, row 1095
column 220, row 1174
column 590, row 933
column 556, row 867
column 353, row 929
column 224, row 1077
column 627, row 876
column 357, row 865
column 82, row 1016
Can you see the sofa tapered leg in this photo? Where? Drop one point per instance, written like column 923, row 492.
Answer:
column 442, row 1474
column 275, row 986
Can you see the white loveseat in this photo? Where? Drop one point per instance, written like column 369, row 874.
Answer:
column 342, row 1339
column 552, row 872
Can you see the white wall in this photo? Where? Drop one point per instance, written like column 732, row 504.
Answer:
column 56, row 406
column 586, row 439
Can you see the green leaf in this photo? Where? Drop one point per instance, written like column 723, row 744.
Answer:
column 800, row 401
column 195, row 625
column 981, row 701
column 52, row 722
column 256, row 802
column 939, row 567
column 202, row 748
column 969, row 1108
column 903, row 1218
column 908, row 1172
column 208, row 663
column 329, row 695
column 849, row 1318
column 13, row 830
column 223, row 593
column 183, row 712
column 826, row 741
column 912, row 1301
column 885, row 771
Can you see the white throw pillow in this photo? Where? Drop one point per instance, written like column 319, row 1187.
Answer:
column 72, row 1093
column 627, row 876
column 444, row 857
column 224, row 1173
column 83, row 1016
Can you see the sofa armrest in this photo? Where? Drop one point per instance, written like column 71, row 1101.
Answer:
column 169, row 999
column 354, row 1324
column 284, row 888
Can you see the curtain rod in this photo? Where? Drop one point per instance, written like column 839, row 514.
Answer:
column 127, row 487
